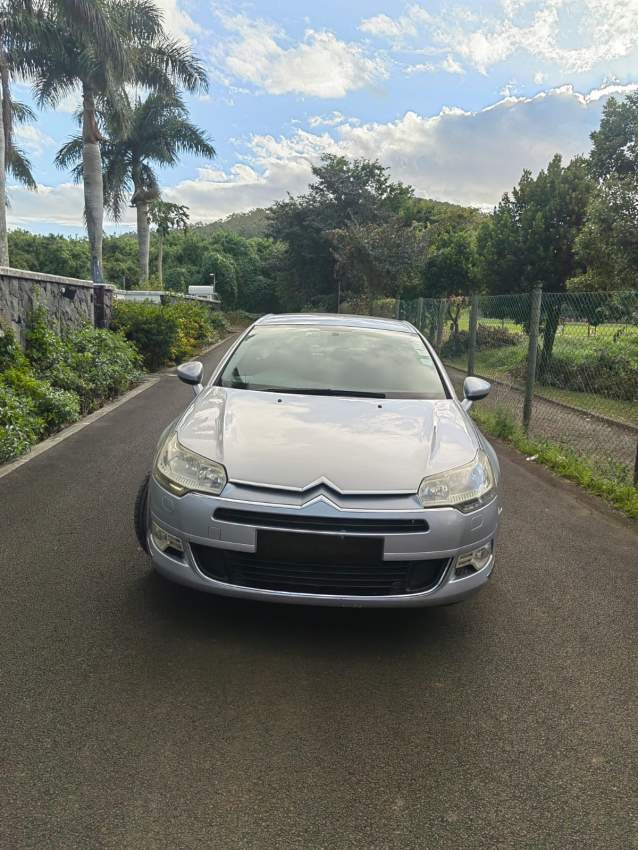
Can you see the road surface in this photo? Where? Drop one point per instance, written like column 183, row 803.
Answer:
column 137, row 714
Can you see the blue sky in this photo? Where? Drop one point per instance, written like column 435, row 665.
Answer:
column 455, row 98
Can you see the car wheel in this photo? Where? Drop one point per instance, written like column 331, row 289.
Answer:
column 140, row 513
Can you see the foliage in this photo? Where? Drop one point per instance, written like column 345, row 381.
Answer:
column 143, row 133
column 166, row 216
column 449, row 268
column 562, row 460
column 378, row 258
column 247, row 224
column 530, row 239
column 149, row 328
column 57, row 380
column 19, row 425
column 94, row 364
column 168, row 333
column 345, row 193
column 487, row 338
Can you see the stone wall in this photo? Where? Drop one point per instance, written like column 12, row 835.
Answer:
column 69, row 303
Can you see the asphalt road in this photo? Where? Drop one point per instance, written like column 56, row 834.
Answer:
column 137, row 714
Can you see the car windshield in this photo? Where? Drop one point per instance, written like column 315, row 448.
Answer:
column 318, row 360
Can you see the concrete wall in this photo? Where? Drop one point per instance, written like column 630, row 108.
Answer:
column 70, row 303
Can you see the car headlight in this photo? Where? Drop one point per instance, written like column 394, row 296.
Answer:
column 182, row 471
column 466, row 487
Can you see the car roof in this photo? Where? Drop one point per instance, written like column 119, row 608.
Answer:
column 338, row 320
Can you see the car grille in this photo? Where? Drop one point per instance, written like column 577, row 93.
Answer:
column 385, row 578
column 337, row 525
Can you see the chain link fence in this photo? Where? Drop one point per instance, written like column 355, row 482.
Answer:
column 562, row 365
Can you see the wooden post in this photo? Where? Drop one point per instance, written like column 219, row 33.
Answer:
column 471, row 349
column 532, row 353
column 440, row 324
column 419, row 314
column 397, row 313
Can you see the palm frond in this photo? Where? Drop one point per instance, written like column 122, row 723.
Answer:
column 70, row 154
column 168, row 64
column 22, row 114
column 19, row 166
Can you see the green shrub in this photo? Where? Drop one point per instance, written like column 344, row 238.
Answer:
column 53, row 406
column 237, row 318
column 11, row 355
column 604, row 373
column 58, row 379
column 44, row 348
column 195, row 328
column 20, row 427
column 105, row 363
column 168, row 333
column 487, row 337
column 151, row 330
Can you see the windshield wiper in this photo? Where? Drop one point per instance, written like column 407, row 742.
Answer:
column 321, row 391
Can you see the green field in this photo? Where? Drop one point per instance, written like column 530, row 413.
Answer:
column 576, row 346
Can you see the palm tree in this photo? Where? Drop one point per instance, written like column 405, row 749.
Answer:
column 14, row 33
column 107, row 45
column 155, row 132
column 151, row 131
column 166, row 217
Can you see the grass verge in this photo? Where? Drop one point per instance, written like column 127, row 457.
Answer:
column 493, row 365
column 564, row 461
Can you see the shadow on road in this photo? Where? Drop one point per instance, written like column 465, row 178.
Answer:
column 309, row 628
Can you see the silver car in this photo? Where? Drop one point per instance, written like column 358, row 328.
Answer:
column 328, row 461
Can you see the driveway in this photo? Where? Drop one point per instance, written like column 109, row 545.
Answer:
column 137, row 714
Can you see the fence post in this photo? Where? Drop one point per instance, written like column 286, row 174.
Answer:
column 636, row 468
column 532, row 352
column 471, row 349
column 397, row 313
column 419, row 314
column 440, row 322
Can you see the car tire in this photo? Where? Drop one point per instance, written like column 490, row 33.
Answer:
column 140, row 513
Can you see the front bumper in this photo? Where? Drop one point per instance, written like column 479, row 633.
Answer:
column 450, row 535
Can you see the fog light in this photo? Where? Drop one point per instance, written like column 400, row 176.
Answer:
column 475, row 560
column 165, row 540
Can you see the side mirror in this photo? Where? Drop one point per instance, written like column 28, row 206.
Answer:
column 474, row 389
column 191, row 373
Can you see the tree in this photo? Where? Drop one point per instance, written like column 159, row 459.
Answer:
column 78, row 51
column 15, row 19
column 225, row 276
column 449, row 268
column 344, row 192
column 378, row 258
column 166, row 217
column 154, row 131
column 530, row 240
column 608, row 243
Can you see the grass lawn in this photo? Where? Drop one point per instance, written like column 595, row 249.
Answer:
column 498, row 362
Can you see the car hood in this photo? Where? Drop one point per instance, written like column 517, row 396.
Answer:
column 355, row 445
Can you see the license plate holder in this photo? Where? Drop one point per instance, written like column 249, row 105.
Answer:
column 295, row 547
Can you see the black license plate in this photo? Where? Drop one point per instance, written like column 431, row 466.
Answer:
column 291, row 547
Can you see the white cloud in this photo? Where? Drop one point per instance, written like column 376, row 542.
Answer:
column 574, row 35
column 459, row 156
column 178, row 23
column 31, row 139
column 319, row 66
column 332, row 119
column 54, row 205
column 452, row 66
column 397, row 29
column 420, row 68
column 465, row 157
